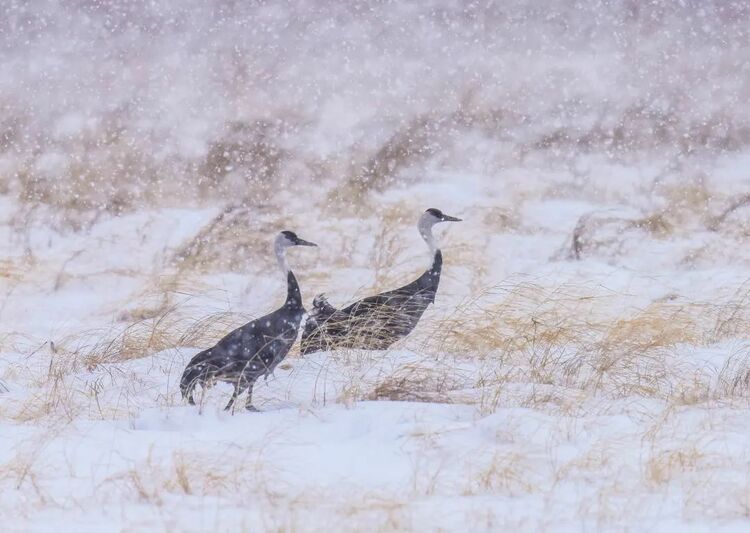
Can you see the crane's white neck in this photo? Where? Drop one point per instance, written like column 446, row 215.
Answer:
column 279, row 247
column 426, row 221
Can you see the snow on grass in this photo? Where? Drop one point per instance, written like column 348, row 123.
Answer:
column 540, row 392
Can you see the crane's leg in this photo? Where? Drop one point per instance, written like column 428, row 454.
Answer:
column 237, row 392
column 249, row 402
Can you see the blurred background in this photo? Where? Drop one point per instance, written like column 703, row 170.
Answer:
column 113, row 106
column 150, row 146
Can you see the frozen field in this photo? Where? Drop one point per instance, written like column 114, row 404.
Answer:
column 586, row 365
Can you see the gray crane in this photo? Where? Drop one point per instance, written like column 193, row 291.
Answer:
column 252, row 350
column 376, row 322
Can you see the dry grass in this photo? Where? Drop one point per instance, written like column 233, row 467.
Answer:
column 202, row 475
column 389, row 246
column 229, row 241
column 239, row 239
column 11, row 272
column 600, row 233
column 569, row 337
column 566, row 338
column 561, row 351
column 735, row 205
column 246, row 158
column 169, row 330
column 569, row 351
column 417, row 383
column 505, row 474
column 410, row 143
column 667, row 466
column 525, row 345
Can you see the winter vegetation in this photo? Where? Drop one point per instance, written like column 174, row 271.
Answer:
column 585, row 366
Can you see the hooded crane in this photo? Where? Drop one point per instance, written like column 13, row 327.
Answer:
column 376, row 322
column 254, row 349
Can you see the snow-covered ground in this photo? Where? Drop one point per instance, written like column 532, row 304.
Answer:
column 586, row 365
column 541, row 392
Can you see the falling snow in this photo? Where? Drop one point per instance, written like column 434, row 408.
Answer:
column 585, row 365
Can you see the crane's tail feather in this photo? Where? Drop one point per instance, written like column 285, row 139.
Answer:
column 321, row 308
column 314, row 333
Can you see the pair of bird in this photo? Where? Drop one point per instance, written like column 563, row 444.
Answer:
column 373, row 323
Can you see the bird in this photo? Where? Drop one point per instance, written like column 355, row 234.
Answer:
column 376, row 322
column 255, row 349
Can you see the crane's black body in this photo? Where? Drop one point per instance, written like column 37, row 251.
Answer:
column 248, row 352
column 254, row 349
column 375, row 322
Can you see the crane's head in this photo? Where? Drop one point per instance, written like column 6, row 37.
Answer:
column 289, row 238
column 436, row 215
column 428, row 219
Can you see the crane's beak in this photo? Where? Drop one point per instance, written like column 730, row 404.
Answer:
column 447, row 218
column 302, row 242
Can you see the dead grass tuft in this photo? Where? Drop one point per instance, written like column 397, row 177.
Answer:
column 730, row 212
column 229, row 241
column 169, row 330
column 417, row 383
column 235, row 240
column 500, row 219
column 567, row 338
column 506, row 473
column 409, row 143
column 610, row 235
column 246, row 160
column 135, row 341
column 665, row 466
